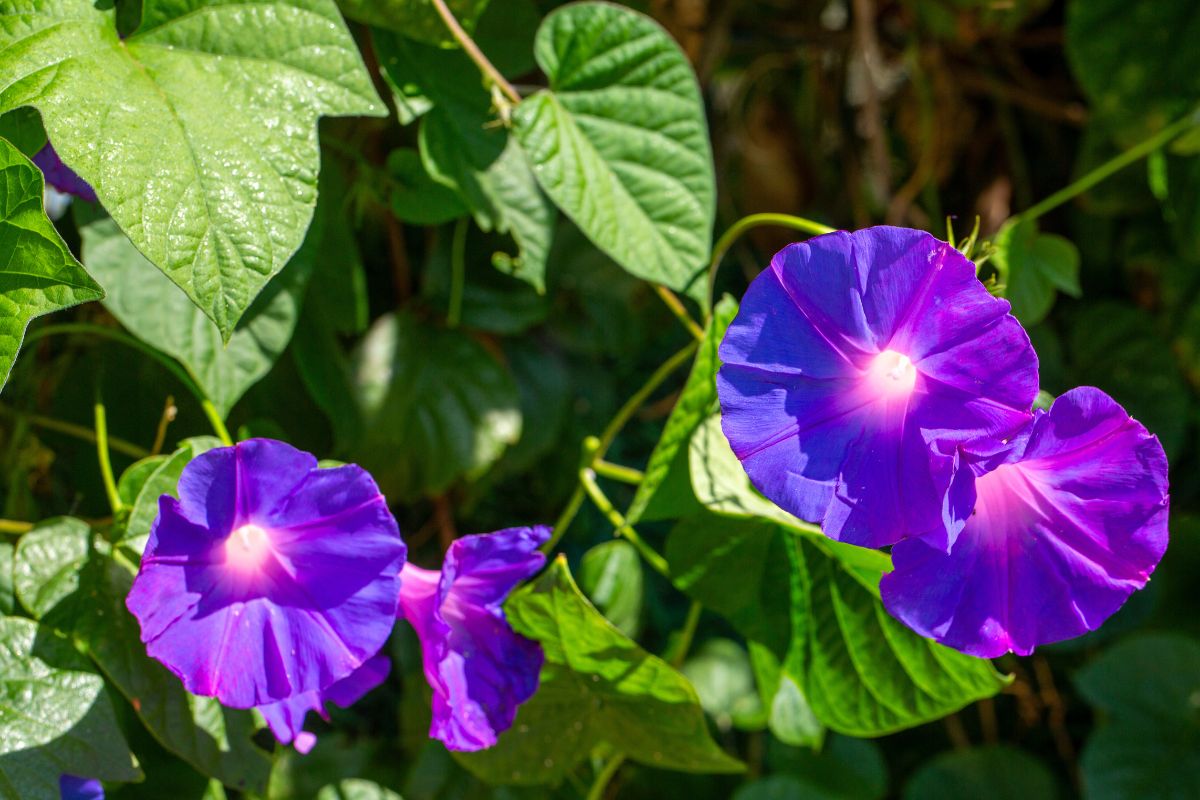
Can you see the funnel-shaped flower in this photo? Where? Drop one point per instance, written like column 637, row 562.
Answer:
column 60, row 176
column 286, row 718
column 73, row 788
column 855, row 366
column 268, row 577
column 479, row 668
column 1069, row 523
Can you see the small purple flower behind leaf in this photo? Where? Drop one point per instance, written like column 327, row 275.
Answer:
column 856, row 365
column 1066, row 525
column 73, row 788
column 479, row 668
column 286, row 718
column 268, row 577
column 60, row 176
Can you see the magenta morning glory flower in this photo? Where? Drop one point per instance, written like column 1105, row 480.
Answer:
column 1067, row 523
column 60, row 176
column 286, row 718
column 268, row 577
column 73, row 788
column 479, row 668
column 855, row 366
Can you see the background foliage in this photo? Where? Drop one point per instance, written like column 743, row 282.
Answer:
column 458, row 281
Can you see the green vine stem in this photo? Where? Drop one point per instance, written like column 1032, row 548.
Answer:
column 676, row 307
column 106, row 470
column 1112, row 166
column 472, row 50
column 172, row 366
column 594, row 448
column 605, row 776
column 15, row 527
column 756, row 221
column 623, row 529
column 618, row 472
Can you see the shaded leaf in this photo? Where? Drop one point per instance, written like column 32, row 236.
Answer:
column 1149, row 746
column 228, row 109
column 436, row 406
column 986, row 773
column 720, row 671
column 1117, row 348
column 620, row 143
column 1133, row 61
column 415, row 196
column 152, row 308
column 1033, row 266
column 597, row 687
column 464, row 148
column 611, row 576
column 416, row 19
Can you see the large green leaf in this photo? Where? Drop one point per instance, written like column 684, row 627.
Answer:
column 48, row 562
column 38, row 274
column 416, row 19
column 1150, row 746
column 1135, row 60
column 739, row 569
column 198, row 132
column 665, row 491
column 436, row 406
column 986, row 773
column 55, row 716
column 863, row 672
column 78, row 590
column 463, row 147
column 215, row 740
column 1033, row 266
column 620, row 143
column 597, row 688
column 153, row 308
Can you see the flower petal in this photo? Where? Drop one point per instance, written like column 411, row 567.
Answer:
column 1062, row 534
column 853, row 356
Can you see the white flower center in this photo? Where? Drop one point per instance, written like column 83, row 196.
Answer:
column 892, row 373
column 247, row 547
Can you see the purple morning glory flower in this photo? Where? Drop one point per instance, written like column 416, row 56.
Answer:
column 479, row 668
column 1067, row 523
column 73, row 788
column 856, row 365
column 286, row 718
column 268, row 577
column 60, row 176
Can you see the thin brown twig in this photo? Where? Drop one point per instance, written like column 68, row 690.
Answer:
column 987, row 720
column 868, row 46
column 1056, row 715
column 472, row 50
column 444, row 516
column 401, row 271
column 956, row 732
column 168, row 416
